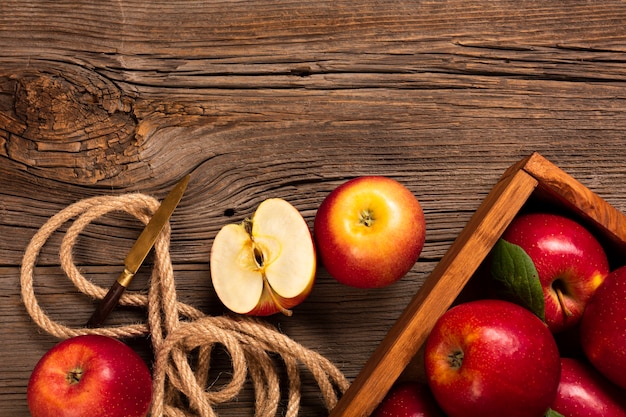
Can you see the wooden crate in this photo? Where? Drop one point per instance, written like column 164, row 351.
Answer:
column 534, row 181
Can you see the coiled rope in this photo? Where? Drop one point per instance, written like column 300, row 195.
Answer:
column 180, row 384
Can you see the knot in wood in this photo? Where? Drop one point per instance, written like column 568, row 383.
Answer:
column 73, row 124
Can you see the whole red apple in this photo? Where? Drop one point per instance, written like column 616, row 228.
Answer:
column 570, row 262
column 603, row 328
column 369, row 231
column 90, row 376
column 408, row 399
column 583, row 392
column 492, row 358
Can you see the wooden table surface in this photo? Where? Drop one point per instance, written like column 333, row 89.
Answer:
column 284, row 99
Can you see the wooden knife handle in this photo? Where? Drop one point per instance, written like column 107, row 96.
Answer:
column 107, row 305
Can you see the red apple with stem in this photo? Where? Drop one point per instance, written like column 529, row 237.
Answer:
column 603, row 328
column 492, row 358
column 90, row 376
column 369, row 231
column 408, row 399
column 583, row 392
column 570, row 263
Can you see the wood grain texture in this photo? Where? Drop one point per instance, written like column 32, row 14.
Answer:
column 285, row 99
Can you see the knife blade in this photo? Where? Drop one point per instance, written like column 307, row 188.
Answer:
column 139, row 252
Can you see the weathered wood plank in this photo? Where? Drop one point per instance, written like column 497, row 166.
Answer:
column 286, row 99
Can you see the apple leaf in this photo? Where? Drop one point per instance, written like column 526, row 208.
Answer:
column 552, row 413
column 512, row 267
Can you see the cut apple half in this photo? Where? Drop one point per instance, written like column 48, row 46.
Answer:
column 266, row 264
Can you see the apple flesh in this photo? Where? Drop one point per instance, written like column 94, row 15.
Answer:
column 369, row 231
column 583, row 392
column 570, row 262
column 90, row 376
column 603, row 328
column 408, row 399
column 266, row 264
column 492, row 358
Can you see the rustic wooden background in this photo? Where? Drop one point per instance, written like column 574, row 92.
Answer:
column 261, row 99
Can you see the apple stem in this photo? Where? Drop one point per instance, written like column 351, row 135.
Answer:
column 559, row 295
column 269, row 289
column 247, row 225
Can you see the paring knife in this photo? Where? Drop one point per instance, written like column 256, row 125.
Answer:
column 138, row 252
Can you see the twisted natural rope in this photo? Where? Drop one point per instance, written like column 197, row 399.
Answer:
column 178, row 329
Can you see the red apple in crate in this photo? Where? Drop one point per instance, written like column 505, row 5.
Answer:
column 603, row 328
column 583, row 392
column 570, row 262
column 90, row 376
column 266, row 264
column 408, row 399
column 369, row 231
column 492, row 358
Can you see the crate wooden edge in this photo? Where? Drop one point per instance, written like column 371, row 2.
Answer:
column 458, row 265
column 578, row 198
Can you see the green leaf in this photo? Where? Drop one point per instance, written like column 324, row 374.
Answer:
column 552, row 413
column 512, row 267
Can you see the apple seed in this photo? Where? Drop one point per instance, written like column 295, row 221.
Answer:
column 259, row 259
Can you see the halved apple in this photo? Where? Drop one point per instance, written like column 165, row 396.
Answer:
column 266, row 264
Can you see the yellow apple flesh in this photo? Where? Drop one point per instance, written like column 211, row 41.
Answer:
column 266, row 264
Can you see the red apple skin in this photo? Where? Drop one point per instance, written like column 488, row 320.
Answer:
column 492, row 358
column 583, row 392
column 408, row 399
column 369, row 256
column 115, row 381
column 567, row 257
column 268, row 306
column 603, row 328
